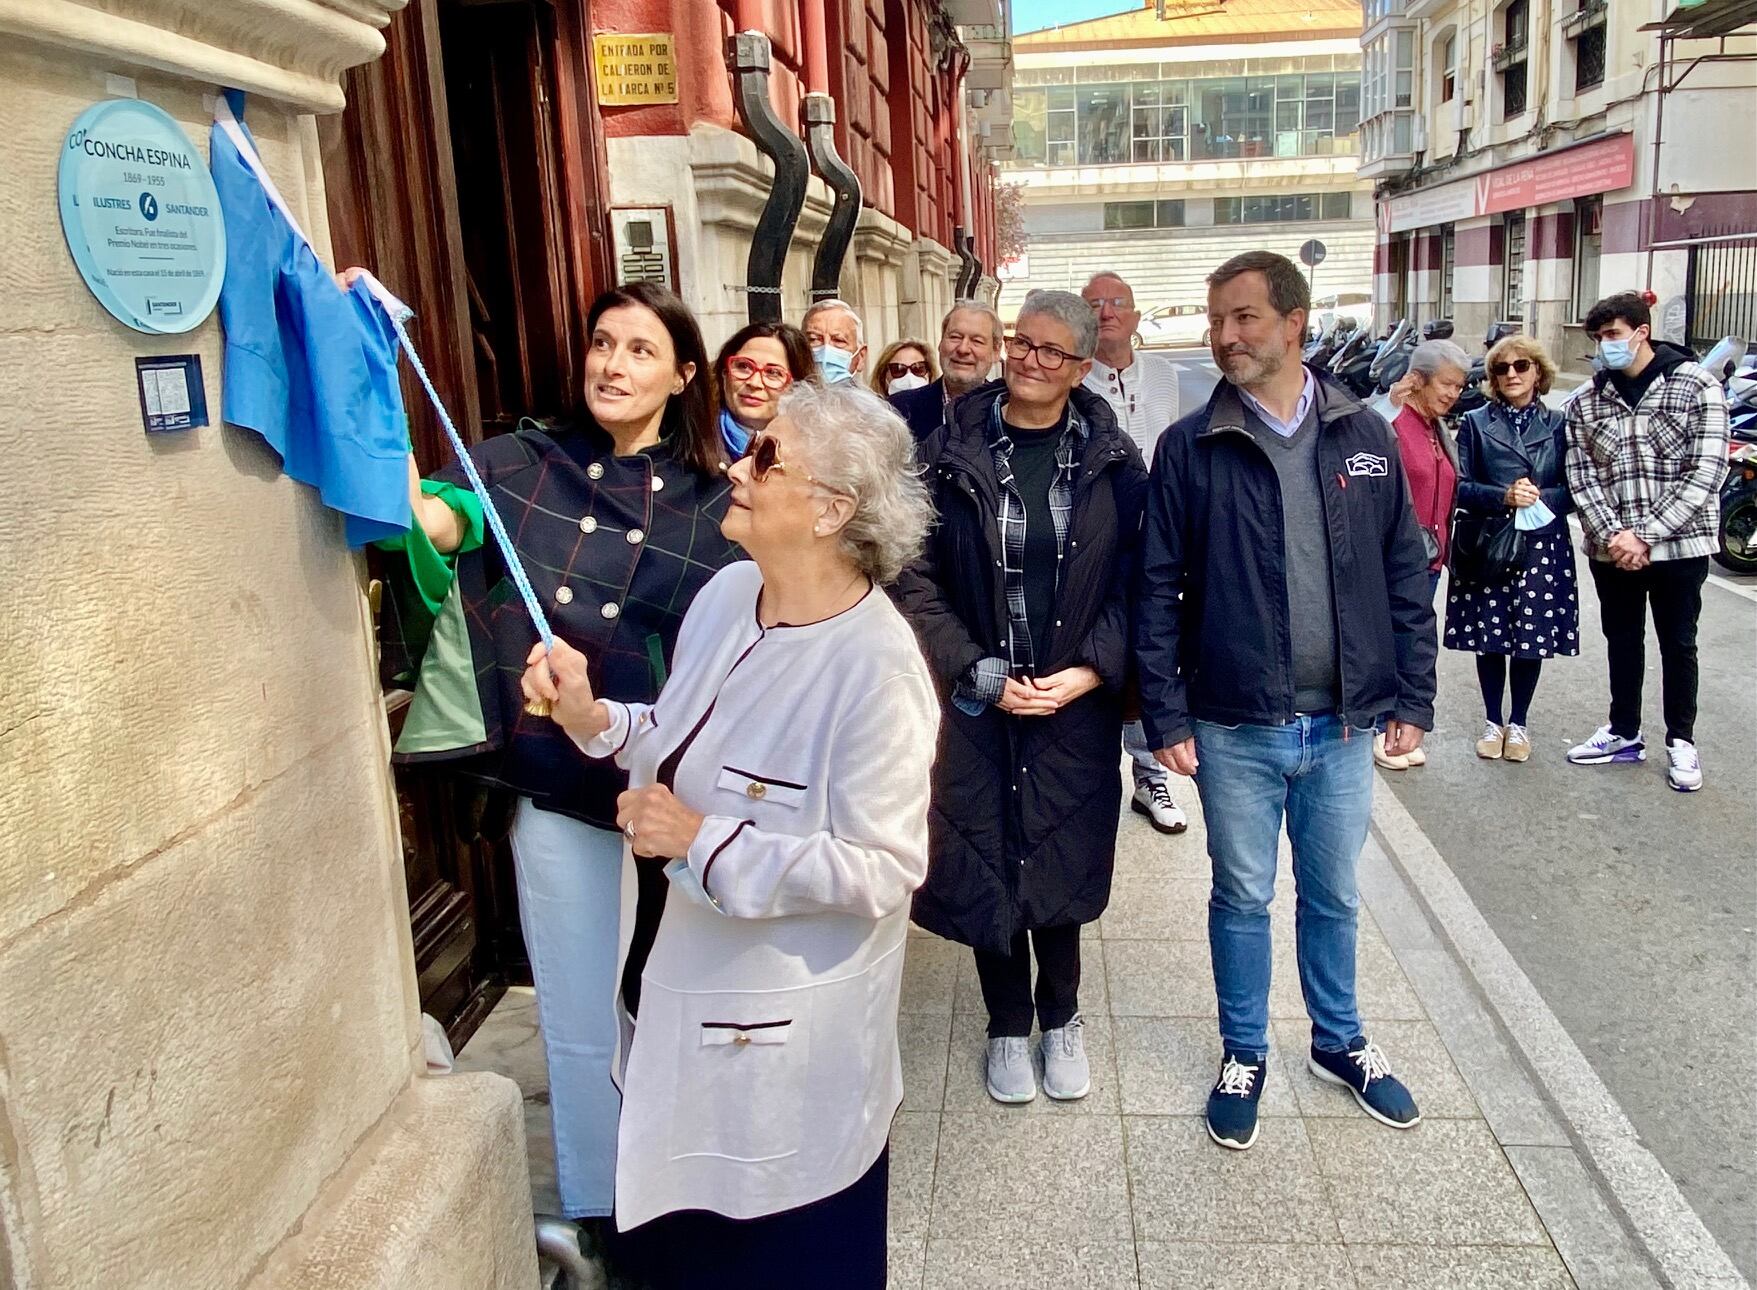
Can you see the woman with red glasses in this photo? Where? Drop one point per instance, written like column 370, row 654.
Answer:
column 1510, row 463
column 751, row 374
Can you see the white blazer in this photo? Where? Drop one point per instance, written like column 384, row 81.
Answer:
column 763, row 1073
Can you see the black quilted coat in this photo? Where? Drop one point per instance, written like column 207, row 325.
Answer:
column 1024, row 816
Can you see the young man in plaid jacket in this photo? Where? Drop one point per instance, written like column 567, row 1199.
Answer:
column 1647, row 449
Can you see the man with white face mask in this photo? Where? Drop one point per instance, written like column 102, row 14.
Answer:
column 838, row 341
column 1647, row 450
column 1142, row 391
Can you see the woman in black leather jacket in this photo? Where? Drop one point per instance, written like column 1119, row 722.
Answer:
column 1510, row 458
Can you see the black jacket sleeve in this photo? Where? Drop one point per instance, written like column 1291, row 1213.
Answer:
column 949, row 647
column 1106, row 647
column 1479, row 496
column 1410, row 590
column 1159, row 593
column 1556, row 496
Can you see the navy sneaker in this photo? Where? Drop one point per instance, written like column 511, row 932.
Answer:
column 1365, row 1071
column 1232, row 1106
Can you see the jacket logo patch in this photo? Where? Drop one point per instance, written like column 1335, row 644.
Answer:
column 1368, row 464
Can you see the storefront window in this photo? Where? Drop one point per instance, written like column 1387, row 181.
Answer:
column 1448, row 260
column 1588, row 248
column 1513, row 299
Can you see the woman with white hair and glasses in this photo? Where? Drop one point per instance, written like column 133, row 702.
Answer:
column 1022, row 603
column 782, row 780
column 1511, row 455
column 1438, row 373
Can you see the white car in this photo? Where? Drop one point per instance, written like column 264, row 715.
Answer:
column 1172, row 325
column 1357, row 305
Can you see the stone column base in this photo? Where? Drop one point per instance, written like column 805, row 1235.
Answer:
column 435, row 1196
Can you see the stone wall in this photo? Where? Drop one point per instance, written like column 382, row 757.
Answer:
column 209, row 1030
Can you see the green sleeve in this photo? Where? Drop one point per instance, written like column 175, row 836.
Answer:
column 430, row 570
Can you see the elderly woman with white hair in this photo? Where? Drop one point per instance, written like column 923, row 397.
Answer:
column 782, row 780
column 1438, row 372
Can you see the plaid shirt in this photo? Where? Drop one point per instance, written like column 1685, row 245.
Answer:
column 987, row 678
column 1655, row 468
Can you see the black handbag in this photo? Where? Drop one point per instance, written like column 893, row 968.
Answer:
column 1487, row 550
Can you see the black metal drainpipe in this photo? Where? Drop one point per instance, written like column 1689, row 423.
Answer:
column 748, row 56
column 967, row 274
column 976, row 265
column 820, row 130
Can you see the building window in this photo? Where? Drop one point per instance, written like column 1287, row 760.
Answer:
column 1586, row 28
column 1282, row 210
column 1513, row 298
column 1588, row 250
column 1104, row 120
column 1131, row 215
column 1449, row 68
column 1448, row 261
column 1510, row 58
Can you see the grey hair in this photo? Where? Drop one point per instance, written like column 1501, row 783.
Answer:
column 1069, row 310
column 823, row 305
column 1109, row 273
column 976, row 307
column 1431, row 355
column 855, row 443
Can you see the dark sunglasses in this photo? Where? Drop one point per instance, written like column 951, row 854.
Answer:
column 774, row 376
column 897, row 371
column 1520, row 365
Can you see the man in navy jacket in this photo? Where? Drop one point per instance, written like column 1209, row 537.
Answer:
column 970, row 344
column 1284, row 611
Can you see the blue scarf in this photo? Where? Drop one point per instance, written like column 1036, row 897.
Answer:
column 732, row 434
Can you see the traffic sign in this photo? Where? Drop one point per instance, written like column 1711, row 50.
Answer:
column 1312, row 253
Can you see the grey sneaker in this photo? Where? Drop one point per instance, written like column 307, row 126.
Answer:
column 1067, row 1076
column 1010, row 1078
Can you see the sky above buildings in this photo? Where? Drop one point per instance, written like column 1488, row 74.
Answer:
column 1032, row 15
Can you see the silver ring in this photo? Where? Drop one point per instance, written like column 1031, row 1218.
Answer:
column 628, row 831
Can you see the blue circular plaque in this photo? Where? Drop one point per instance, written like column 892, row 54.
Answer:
column 141, row 216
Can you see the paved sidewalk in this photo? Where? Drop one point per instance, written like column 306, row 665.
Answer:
column 1124, row 1189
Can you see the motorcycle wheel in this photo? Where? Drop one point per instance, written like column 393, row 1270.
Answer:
column 1738, row 535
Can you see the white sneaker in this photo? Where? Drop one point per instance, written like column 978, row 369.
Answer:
column 1153, row 799
column 1067, row 1076
column 1685, row 772
column 1010, row 1077
column 1605, row 747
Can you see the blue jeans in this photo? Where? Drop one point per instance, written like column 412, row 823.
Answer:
column 570, row 906
column 1317, row 773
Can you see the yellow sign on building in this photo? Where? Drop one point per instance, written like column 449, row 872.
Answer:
column 635, row 67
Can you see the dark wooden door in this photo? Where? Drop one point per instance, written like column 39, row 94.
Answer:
column 466, row 173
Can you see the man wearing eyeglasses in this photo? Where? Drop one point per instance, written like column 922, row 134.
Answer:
column 1021, row 601
column 1142, row 391
column 970, row 346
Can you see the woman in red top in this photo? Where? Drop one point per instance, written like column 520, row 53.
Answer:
column 1438, row 370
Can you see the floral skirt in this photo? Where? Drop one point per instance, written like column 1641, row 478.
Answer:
column 1536, row 615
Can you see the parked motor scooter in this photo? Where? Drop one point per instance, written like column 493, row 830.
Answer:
column 1350, row 366
column 1738, row 507
column 1397, row 365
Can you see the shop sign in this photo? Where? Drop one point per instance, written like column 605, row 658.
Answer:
column 635, row 67
column 141, row 217
column 1603, row 166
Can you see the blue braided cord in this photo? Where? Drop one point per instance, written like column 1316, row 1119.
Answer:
column 514, row 565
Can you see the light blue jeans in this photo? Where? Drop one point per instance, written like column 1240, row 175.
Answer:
column 1317, row 774
column 570, row 900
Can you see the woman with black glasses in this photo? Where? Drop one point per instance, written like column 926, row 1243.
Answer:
column 753, row 370
column 904, row 365
column 1021, row 600
column 1510, row 455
